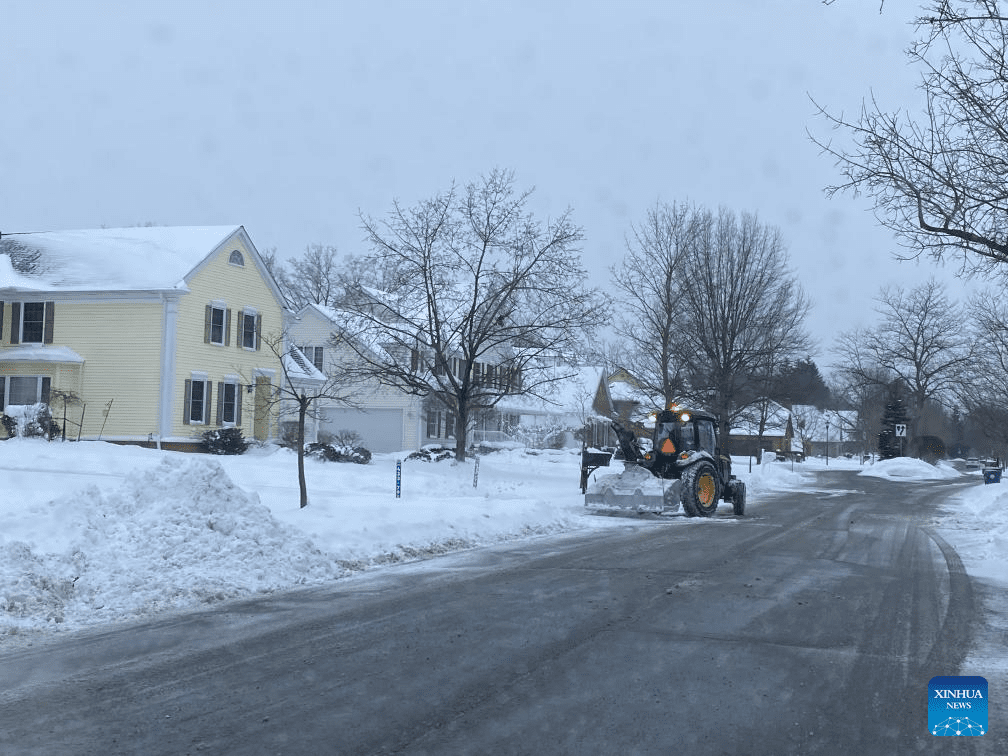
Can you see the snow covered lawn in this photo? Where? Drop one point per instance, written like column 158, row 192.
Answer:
column 92, row 532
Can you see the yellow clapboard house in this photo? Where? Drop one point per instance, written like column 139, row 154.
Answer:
column 148, row 335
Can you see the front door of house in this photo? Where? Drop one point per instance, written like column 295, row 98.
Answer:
column 260, row 428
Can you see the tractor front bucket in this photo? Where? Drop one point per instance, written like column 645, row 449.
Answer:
column 635, row 489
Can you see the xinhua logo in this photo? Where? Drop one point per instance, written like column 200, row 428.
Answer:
column 957, row 706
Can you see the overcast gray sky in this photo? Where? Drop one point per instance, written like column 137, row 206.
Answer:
column 290, row 120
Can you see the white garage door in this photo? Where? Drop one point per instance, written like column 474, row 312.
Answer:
column 381, row 429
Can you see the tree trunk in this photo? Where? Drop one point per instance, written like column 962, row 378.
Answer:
column 461, row 434
column 302, row 410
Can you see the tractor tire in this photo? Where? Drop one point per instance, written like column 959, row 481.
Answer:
column 700, row 490
column 687, row 503
column 738, row 499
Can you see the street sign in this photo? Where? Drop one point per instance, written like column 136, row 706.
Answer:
column 900, row 431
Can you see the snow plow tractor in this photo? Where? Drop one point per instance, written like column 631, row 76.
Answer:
column 684, row 467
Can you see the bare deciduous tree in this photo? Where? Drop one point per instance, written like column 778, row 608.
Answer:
column 937, row 177
column 649, row 281
column 922, row 340
column 741, row 311
column 305, row 388
column 486, row 299
column 314, row 278
column 985, row 390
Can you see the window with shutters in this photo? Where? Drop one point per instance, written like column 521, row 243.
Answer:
column 216, row 325
column 249, row 329
column 197, row 401
column 31, row 322
column 229, row 401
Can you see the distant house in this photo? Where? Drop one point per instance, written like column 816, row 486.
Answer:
column 388, row 419
column 154, row 335
column 569, row 409
column 834, row 431
column 619, row 396
column 777, row 435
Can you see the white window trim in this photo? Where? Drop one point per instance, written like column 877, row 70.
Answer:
column 246, row 312
column 198, row 377
column 7, row 388
column 222, row 306
column 21, row 319
column 231, row 380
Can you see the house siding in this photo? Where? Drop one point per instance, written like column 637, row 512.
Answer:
column 121, row 346
column 315, row 330
column 238, row 287
column 120, row 342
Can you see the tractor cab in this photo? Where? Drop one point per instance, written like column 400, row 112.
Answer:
column 681, row 437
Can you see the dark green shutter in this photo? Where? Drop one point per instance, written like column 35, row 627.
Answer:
column 15, row 323
column 258, row 337
column 50, row 317
column 240, row 330
column 207, row 397
column 227, row 327
column 238, row 403
column 1, row 320
column 188, row 399
column 46, row 387
column 206, row 324
column 3, row 386
column 220, row 401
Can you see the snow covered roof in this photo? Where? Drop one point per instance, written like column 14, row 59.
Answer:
column 11, row 279
column 366, row 333
column 110, row 259
column 39, row 353
column 298, row 368
column 776, row 421
column 571, row 396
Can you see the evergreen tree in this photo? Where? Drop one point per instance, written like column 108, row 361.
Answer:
column 800, row 382
column 889, row 444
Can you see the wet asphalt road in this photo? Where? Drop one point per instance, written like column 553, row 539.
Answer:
column 810, row 626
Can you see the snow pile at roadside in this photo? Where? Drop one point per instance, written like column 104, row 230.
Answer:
column 977, row 526
column 180, row 534
column 771, row 476
column 908, row 468
column 149, row 530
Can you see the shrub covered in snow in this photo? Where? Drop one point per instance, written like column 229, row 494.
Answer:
column 30, row 421
column 224, row 441
column 432, row 453
column 329, row 453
